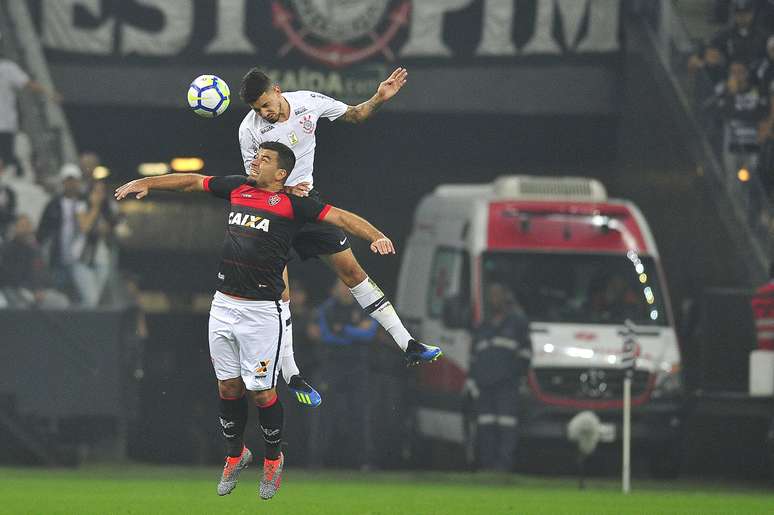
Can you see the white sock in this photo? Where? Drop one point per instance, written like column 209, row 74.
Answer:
column 287, row 362
column 289, row 367
column 373, row 301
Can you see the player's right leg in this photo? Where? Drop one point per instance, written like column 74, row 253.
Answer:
column 378, row 307
column 330, row 244
column 224, row 353
column 262, row 333
column 233, row 419
column 271, row 416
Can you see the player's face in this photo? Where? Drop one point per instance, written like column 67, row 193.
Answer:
column 268, row 167
column 268, row 105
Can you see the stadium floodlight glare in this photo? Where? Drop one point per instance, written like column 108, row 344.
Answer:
column 100, row 172
column 187, row 164
column 152, row 169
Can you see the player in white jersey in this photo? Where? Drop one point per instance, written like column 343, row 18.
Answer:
column 291, row 118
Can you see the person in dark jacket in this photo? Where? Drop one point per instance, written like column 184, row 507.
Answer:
column 500, row 356
column 24, row 279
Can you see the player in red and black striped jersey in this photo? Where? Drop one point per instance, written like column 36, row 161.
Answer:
column 261, row 227
column 248, row 326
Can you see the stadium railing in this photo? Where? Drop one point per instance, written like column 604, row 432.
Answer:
column 42, row 119
column 746, row 199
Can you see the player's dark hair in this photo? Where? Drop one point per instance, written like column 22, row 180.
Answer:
column 286, row 158
column 254, row 84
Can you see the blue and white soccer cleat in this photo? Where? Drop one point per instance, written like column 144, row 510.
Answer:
column 418, row 353
column 305, row 394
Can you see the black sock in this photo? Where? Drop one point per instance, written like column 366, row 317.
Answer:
column 271, row 419
column 233, row 419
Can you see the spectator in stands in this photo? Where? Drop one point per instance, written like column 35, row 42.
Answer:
column 61, row 230
column 764, row 70
column 88, row 161
column 764, row 16
column 740, row 107
column 347, row 333
column 7, row 203
column 12, row 80
column 96, row 263
column 764, row 78
column 742, row 42
column 23, row 275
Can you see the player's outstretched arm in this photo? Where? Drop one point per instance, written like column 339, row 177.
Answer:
column 386, row 90
column 172, row 182
column 360, row 227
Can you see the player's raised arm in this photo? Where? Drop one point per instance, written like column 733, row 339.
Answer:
column 386, row 90
column 360, row 227
column 171, row 182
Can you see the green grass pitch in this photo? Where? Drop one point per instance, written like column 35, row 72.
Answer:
column 139, row 489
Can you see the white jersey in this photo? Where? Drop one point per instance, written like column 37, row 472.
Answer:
column 12, row 79
column 297, row 132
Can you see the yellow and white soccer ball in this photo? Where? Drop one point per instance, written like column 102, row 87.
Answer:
column 209, row 96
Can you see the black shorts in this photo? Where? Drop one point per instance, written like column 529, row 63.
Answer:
column 318, row 238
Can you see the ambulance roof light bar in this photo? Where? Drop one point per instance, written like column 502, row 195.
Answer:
column 526, row 187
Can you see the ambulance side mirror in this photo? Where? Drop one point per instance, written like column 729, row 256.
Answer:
column 456, row 313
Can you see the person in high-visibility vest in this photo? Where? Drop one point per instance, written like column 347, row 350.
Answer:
column 763, row 312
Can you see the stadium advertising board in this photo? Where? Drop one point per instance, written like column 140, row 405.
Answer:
column 340, row 47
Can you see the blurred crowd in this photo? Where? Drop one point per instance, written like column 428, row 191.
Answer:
column 57, row 233
column 739, row 63
column 353, row 362
column 58, row 248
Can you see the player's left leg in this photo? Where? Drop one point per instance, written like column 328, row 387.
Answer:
column 262, row 333
column 271, row 417
column 378, row 307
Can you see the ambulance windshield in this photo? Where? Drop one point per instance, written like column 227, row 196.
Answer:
column 580, row 288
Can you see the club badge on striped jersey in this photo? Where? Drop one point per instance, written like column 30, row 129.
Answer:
column 274, row 200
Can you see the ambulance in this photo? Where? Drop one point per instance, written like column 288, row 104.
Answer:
column 579, row 264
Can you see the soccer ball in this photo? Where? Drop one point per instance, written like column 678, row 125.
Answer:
column 209, row 96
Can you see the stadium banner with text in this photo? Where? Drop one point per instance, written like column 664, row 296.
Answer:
column 340, row 47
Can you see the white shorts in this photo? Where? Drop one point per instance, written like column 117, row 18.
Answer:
column 247, row 339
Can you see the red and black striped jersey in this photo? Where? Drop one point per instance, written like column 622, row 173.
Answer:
column 260, row 228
